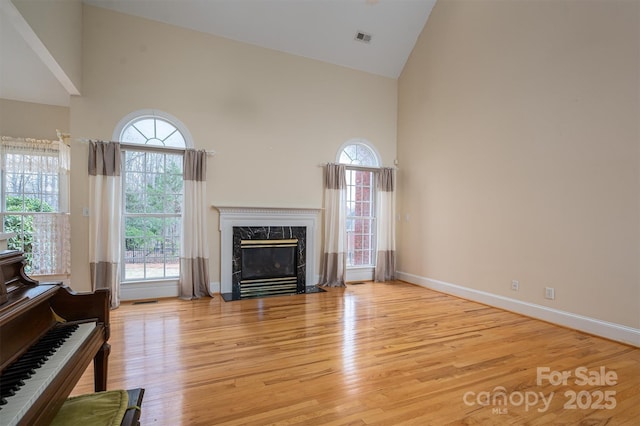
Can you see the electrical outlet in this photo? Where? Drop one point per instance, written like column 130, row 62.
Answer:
column 515, row 285
column 85, row 211
column 549, row 293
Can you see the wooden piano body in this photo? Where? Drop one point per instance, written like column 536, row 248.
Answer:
column 27, row 313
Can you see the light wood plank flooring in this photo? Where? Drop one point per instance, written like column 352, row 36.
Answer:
column 380, row 354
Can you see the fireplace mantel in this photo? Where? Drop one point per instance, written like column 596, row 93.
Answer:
column 231, row 216
column 267, row 211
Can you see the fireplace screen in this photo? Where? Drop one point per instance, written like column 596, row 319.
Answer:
column 268, row 259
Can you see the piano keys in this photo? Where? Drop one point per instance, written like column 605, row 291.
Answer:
column 36, row 384
column 31, row 312
column 14, row 377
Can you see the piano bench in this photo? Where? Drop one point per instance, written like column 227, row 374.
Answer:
column 132, row 415
column 101, row 409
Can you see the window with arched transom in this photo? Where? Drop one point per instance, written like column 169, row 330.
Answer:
column 153, row 145
column 361, row 160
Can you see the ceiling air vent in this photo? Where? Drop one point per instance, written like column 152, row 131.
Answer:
column 363, row 37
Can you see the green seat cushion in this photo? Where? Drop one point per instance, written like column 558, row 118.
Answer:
column 95, row 409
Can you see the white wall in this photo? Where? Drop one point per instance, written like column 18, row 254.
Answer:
column 272, row 118
column 29, row 120
column 58, row 24
column 518, row 142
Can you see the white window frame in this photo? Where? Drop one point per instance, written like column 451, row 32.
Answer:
column 61, row 193
column 153, row 113
column 164, row 286
column 131, row 215
column 362, row 272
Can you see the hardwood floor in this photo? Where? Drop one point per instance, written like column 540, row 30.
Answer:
column 383, row 354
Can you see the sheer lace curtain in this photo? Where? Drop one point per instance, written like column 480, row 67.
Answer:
column 37, row 172
column 334, row 259
column 385, row 219
column 105, row 198
column 194, row 252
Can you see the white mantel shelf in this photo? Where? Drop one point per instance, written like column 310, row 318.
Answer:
column 231, row 216
column 278, row 211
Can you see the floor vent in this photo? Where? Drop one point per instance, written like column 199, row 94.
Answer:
column 357, row 283
column 144, row 302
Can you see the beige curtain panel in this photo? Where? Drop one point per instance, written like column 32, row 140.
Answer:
column 105, row 198
column 334, row 259
column 385, row 222
column 194, row 252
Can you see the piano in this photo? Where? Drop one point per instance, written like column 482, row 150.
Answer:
column 48, row 336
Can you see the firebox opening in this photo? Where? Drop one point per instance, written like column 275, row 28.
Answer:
column 267, row 259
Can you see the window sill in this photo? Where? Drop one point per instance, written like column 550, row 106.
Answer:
column 149, row 282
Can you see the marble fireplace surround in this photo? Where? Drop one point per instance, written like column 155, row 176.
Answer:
column 262, row 217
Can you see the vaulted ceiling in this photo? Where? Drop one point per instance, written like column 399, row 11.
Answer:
column 326, row 30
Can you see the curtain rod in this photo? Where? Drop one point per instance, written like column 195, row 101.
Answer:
column 210, row 153
column 21, row 139
column 363, row 168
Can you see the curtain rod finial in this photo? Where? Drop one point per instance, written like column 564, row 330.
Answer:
column 63, row 137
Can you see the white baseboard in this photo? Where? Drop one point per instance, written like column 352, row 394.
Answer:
column 609, row 330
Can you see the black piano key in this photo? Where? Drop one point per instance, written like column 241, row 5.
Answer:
column 14, row 381
column 9, row 390
column 16, row 374
column 8, row 393
column 14, row 377
column 25, row 366
column 25, row 363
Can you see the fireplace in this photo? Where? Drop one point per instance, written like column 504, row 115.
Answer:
column 265, row 261
column 267, row 251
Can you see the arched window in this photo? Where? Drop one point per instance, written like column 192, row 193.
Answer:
column 358, row 154
column 361, row 160
column 153, row 128
column 153, row 144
